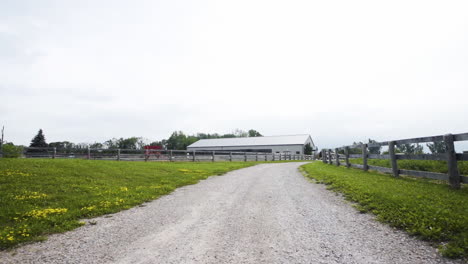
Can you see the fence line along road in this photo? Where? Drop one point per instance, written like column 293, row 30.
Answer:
column 451, row 157
column 157, row 155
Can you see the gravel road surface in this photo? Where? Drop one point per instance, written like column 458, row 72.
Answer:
column 268, row 213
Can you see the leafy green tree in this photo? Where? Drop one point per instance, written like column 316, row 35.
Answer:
column 122, row 143
column 9, row 150
column 231, row 135
column 111, row 143
column 177, row 141
column 374, row 150
column 437, row 147
column 96, row 145
column 356, row 150
column 410, row 149
column 419, row 149
column 240, row 133
column 308, row 149
column 254, row 133
column 39, row 140
column 162, row 143
column 61, row 145
column 128, row 143
column 81, row 146
column 189, row 141
column 207, row 136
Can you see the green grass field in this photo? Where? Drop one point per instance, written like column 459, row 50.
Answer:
column 421, row 165
column 44, row 196
column 431, row 211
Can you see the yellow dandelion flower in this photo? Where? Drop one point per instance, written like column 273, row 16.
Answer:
column 45, row 212
column 89, row 208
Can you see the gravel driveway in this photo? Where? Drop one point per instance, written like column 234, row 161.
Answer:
column 268, row 213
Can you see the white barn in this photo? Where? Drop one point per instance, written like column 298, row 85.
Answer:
column 293, row 144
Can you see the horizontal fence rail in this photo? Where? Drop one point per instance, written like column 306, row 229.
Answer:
column 157, row 155
column 453, row 176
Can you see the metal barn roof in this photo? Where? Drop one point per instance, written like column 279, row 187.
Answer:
column 251, row 141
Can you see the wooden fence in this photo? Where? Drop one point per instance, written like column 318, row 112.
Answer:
column 157, row 155
column 451, row 157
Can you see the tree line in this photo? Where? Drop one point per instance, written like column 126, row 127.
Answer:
column 434, row 148
column 178, row 140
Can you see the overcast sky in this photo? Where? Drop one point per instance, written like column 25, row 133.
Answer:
column 341, row 71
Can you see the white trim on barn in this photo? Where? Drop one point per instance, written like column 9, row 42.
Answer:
column 293, row 144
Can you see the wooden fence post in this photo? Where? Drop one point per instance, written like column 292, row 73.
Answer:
column 118, row 154
column 266, row 157
column 393, row 160
column 330, row 161
column 256, row 156
column 170, row 155
column 453, row 173
column 245, row 156
column 230, row 156
column 280, row 156
column 348, row 165
column 273, row 157
column 337, row 158
column 55, row 153
column 193, row 156
column 213, row 156
column 324, row 158
column 364, row 157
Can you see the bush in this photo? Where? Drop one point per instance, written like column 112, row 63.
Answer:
column 11, row 151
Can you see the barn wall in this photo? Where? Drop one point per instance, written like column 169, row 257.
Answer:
column 281, row 149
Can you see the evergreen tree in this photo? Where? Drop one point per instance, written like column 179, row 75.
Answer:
column 39, row 140
column 308, row 149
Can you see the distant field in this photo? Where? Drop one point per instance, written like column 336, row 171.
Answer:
column 421, row 165
column 429, row 210
column 43, row 196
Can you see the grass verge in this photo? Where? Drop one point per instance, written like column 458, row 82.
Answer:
column 419, row 165
column 428, row 210
column 43, row 196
